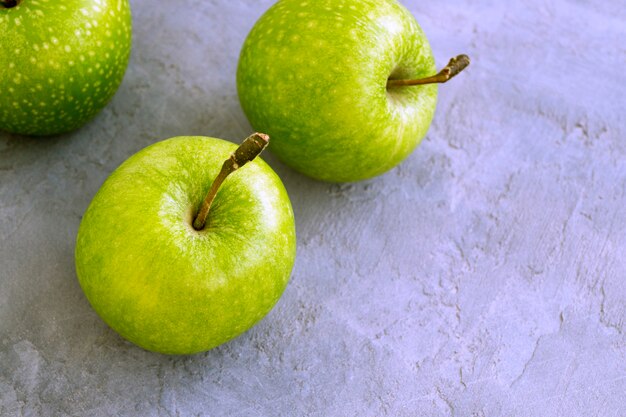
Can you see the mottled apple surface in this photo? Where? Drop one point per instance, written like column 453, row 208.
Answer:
column 166, row 286
column 313, row 75
column 60, row 62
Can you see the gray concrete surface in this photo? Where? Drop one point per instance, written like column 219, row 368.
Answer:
column 485, row 276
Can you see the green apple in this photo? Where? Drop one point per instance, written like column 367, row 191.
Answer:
column 60, row 61
column 314, row 75
column 167, row 285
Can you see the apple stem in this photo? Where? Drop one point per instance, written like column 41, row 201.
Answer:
column 7, row 4
column 455, row 66
column 251, row 147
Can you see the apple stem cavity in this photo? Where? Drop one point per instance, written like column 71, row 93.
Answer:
column 7, row 4
column 251, row 147
column 456, row 65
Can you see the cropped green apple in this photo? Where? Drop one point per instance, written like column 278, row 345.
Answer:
column 314, row 75
column 171, row 286
column 60, row 61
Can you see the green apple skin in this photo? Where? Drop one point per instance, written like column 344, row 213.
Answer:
column 165, row 286
column 60, row 62
column 313, row 74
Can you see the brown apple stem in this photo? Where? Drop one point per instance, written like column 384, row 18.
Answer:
column 7, row 4
column 246, row 152
column 455, row 66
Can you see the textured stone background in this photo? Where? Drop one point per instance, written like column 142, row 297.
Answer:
column 485, row 276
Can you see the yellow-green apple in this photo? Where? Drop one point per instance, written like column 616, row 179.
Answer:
column 174, row 271
column 322, row 77
column 60, row 61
